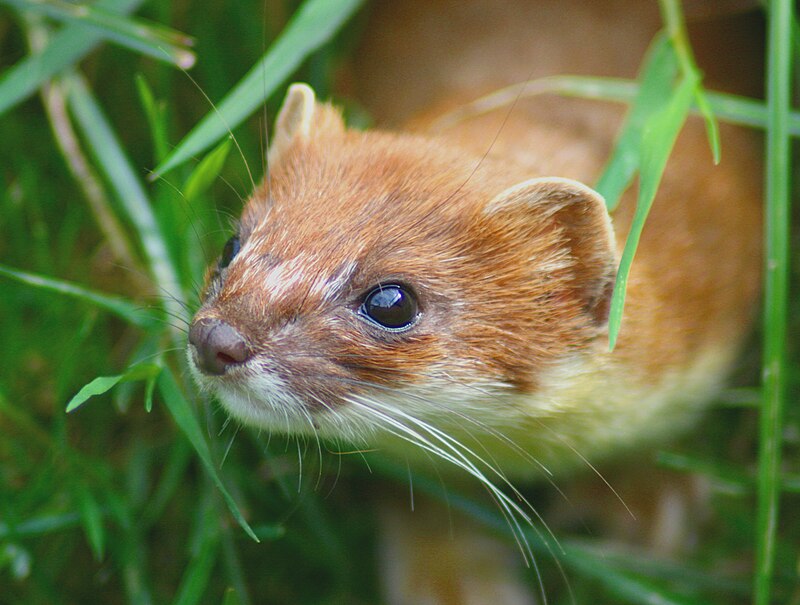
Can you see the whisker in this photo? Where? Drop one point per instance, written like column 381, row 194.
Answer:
column 590, row 465
column 190, row 212
column 222, row 119
column 336, row 478
column 410, row 485
column 300, row 467
column 453, row 454
column 230, row 443
column 225, row 424
column 481, row 425
column 316, row 437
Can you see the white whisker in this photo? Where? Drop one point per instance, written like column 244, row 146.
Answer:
column 508, row 507
column 591, row 466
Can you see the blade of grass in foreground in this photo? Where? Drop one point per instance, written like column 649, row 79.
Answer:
column 205, row 551
column 314, row 23
column 658, row 75
column 114, row 163
column 183, row 415
column 120, row 307
column 734, row 109
column 658, row 138
column 152, row 39
column 675, row 23
column 65, row 49
column 776, row 276
column 103, row 384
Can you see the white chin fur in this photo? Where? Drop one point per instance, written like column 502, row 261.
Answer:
column 259, row 399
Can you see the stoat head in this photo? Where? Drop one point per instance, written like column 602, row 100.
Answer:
column 376, row 271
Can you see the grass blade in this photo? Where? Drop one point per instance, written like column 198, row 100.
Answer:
column 205, row 551
column 103, row 384
column 65, row 49
column 676, row 27
column 731, row 108
column 151, row 39
column 776, row 274
column 314, row 23
column 660, row 133
column 130, row 191
column 92, row 518
column 658, row 75
column 156, row 117
column 206, row 172
column 120, row 307
column 747, row 112
column 36, row 526
column 183, row 415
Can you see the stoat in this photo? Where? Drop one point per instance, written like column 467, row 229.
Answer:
column 378, row 277
column 411, row 291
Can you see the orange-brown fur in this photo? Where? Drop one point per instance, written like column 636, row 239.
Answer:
column 426, row 228
column 705, row 218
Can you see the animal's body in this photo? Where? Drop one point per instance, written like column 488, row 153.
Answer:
column 447, row 288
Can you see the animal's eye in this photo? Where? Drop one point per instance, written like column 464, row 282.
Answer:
column 230, row 250
column 391, row 306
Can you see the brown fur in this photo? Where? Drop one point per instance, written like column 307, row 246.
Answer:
column 697, row 269
column 418, row 210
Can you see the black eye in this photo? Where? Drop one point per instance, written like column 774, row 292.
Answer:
column 230, row 250
column 391, row 306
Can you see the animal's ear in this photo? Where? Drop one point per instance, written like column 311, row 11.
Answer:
column 578, row 215
column 301, row 117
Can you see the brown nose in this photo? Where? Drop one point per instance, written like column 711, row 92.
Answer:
column 218, row 345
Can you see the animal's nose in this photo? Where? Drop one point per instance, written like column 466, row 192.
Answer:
column 218, row 345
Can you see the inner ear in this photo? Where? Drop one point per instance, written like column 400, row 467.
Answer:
column 580, row 216
column 300, row 118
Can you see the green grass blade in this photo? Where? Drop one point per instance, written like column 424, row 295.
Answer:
column 628, row 587
column 658, row 75
column 92, row 519
column 730, row 108
column 170, row 481
column 154, row 40
column 37, row 526
column 65, row 49
column 98, row 386
column 314, row 23
column 660, row 133
column 129, row 189
column 778, row 191
column 198, row 572
column 183, row 415
column 149, row 388
column 120, row 307
column 712, row 126
column 156, row 117
column 103, row 384
column 206, row 172
column 675, row 24
column 747, row 112
column 726, row 478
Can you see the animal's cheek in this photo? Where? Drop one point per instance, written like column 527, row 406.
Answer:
column 384, row 362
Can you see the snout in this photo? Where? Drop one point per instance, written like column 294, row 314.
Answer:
column 217, row 346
